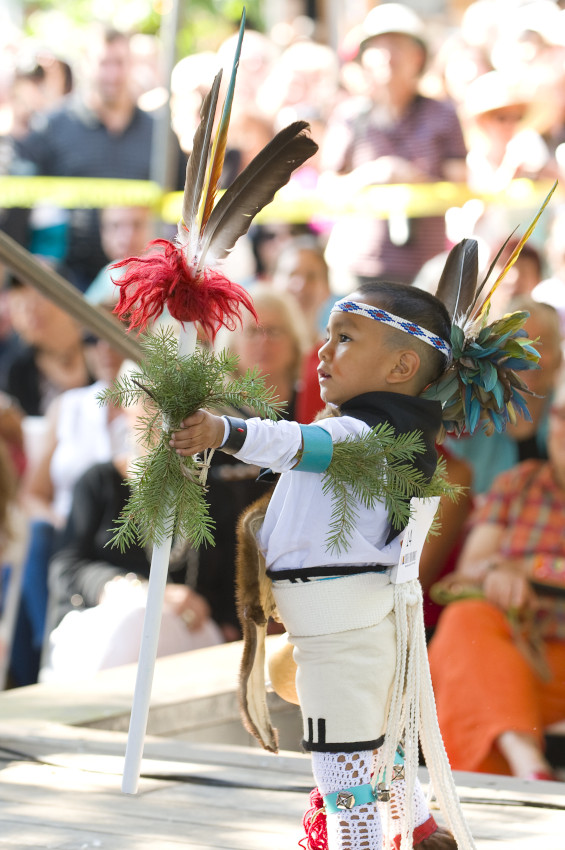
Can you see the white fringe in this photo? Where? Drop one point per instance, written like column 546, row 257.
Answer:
column 412, row 717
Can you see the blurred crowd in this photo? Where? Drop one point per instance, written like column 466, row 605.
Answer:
column 479, row 103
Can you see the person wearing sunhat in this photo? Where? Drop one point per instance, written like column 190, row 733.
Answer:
column 504, row 119
column 392, row 135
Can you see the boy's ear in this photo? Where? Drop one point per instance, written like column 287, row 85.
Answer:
column 406, row 367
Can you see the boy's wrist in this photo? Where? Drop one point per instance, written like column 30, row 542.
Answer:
column 235, row 432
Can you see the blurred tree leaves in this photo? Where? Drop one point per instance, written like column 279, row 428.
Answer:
column 204, row 24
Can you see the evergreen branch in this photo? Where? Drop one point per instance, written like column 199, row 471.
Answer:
column 145, row 390
column 123, row 393
column 377, row 466
column 164, row 502
column 167, row 496
column 250, row 391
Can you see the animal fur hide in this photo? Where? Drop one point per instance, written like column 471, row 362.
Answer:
column 255, row 604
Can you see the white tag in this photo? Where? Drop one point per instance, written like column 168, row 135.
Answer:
column 414, row 536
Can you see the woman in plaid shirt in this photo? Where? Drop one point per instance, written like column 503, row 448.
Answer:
column 498, row 657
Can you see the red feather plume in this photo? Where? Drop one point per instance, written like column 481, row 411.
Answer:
column 182, row 275
column 162, row 278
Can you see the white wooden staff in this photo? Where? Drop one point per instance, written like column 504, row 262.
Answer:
column 150, row 634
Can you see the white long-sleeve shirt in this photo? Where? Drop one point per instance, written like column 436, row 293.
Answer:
column 297, row 523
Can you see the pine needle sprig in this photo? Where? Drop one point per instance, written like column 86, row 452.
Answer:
column 164, row 502
column 168, row 491
column 180, row 385
column 249, row 390
column 377, row 466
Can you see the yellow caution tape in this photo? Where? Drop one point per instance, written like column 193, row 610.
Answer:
column 296, row 206
column 292, row 204
column 78, row 192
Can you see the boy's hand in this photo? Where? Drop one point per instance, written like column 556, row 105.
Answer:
column 200, row 431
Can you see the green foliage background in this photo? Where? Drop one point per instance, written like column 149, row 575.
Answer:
column 204, row 24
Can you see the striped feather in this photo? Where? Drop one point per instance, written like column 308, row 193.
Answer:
column 196, row 170
column 220, row 140
column 479, row 312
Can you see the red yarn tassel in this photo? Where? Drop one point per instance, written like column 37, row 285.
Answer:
column 315, row 824
column 162, row 278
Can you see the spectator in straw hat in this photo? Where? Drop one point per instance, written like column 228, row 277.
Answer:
column 504, row 120
column 393, row 135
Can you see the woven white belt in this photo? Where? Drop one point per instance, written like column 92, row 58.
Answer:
column 327, row 606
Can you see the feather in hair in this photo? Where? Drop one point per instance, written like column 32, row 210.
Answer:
column 458, row 281
column 482, row 384
column 477, row 312
column 491, row 268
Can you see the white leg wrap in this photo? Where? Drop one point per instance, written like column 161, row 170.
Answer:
column 358, row 828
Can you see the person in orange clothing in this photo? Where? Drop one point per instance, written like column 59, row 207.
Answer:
column 497, row 658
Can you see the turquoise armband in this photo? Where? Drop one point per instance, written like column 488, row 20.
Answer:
column 317, row 449
column 349, row 798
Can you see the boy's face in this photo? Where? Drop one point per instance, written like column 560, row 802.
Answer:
column 355, row 358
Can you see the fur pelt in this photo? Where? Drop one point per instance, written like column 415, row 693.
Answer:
column 255, row 605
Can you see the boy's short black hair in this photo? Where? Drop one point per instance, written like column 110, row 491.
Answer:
column 415, row 305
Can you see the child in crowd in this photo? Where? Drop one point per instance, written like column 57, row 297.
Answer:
column 373, row 368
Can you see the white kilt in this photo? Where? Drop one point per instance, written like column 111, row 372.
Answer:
column 344, row 637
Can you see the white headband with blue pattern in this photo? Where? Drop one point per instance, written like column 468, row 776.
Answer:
column 360, row 309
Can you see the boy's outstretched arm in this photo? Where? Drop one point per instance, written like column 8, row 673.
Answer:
column 202, row 430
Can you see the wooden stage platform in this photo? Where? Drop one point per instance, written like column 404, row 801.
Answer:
column 61, row 757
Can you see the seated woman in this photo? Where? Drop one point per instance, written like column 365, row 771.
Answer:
column 50, row 359
column 275, row 344
column 302, row 272
column 79, row 432
column 497, row 657
column 441, row 551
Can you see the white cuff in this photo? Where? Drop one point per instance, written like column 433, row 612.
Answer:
column 226, row 430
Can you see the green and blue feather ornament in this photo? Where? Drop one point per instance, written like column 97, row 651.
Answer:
column 483, row 387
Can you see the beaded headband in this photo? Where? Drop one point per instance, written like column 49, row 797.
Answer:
column 360, row 309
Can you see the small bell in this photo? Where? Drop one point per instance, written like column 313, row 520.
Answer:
column 383, row 792
column 397, row 772
column 345, row 800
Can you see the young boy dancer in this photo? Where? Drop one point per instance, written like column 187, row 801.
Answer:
column 353, row 629
column 385, row 344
